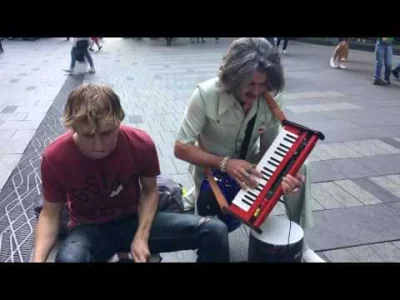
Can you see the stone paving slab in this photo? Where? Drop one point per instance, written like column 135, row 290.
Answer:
column 347, row 227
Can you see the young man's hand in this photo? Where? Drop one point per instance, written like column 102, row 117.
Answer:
column 140, row 250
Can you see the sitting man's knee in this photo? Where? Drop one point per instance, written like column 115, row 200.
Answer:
column 73, row 252
column 214, row 225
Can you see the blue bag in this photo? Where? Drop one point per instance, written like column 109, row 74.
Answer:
column 207, row 205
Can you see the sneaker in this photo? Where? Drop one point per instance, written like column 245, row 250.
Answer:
column 92, row 70
column 333, row 63
column 342, row 66
column 395, row 74
column 70, row 71
column 387, row 81
column 378, row 81
column 284, row 51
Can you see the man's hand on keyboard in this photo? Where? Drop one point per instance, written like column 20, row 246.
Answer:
column 244, row 172
column 292, row 184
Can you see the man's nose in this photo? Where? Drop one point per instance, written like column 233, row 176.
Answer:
column 255, row 90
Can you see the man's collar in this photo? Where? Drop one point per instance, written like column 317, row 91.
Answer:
column 226, row 101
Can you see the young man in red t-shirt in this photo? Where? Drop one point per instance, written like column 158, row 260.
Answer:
column 106, row 174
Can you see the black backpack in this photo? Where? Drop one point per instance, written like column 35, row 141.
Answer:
column 170, row 200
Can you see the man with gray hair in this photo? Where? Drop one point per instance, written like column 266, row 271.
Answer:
column 218, row 115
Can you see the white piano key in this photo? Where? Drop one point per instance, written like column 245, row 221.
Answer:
column 238, row 202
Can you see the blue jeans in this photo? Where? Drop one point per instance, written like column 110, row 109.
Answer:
column 383, row 57
column 169, row 232
column 74, row 54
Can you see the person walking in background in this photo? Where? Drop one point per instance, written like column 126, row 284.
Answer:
column 192, row 39
column 383, row 57
column 1, row 46
column 396, row 70
column 79, row 52
column 285, row 43
column 340, row 54
column 95, row 40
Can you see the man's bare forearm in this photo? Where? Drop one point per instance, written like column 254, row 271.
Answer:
column 46, row 234
column 147, row 209
column 197, row 156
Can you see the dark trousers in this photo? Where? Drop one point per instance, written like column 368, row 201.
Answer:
column 76, row 53
column 169, row 232
column 285, row 43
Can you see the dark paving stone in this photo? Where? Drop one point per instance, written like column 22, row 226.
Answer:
column 391, row 142
column 9, row 109
column 347, row 227
column 157, row 77
column 387, row 131
column 30, row 88
column 135, row 119
column 382, row 164
column 35, row 69
column 339, row 135
column 14, row 80
column 376, row 119
column 130, row 78
column 322, row 171
column 376, row 190
column 331, row 125
column 351, row 168
column 22, row 74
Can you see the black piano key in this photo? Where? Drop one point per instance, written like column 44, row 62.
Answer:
column 280, row 154
column 265, row 178
column 288, row 140
column 284, row 146
column 291, row 139
column 282, row 150
column 251, row 193
column 248, row 197
column 291, row 135
column 274, row 159
column 259, row 187
column 265, row 173
column 273, row 163
column 247, row 202
column 269, row 170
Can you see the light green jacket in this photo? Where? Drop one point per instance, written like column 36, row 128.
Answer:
column 217, row 119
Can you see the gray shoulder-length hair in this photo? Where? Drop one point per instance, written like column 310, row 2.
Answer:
column 247, row 55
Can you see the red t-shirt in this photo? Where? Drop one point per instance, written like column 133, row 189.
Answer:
column 100, row 190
